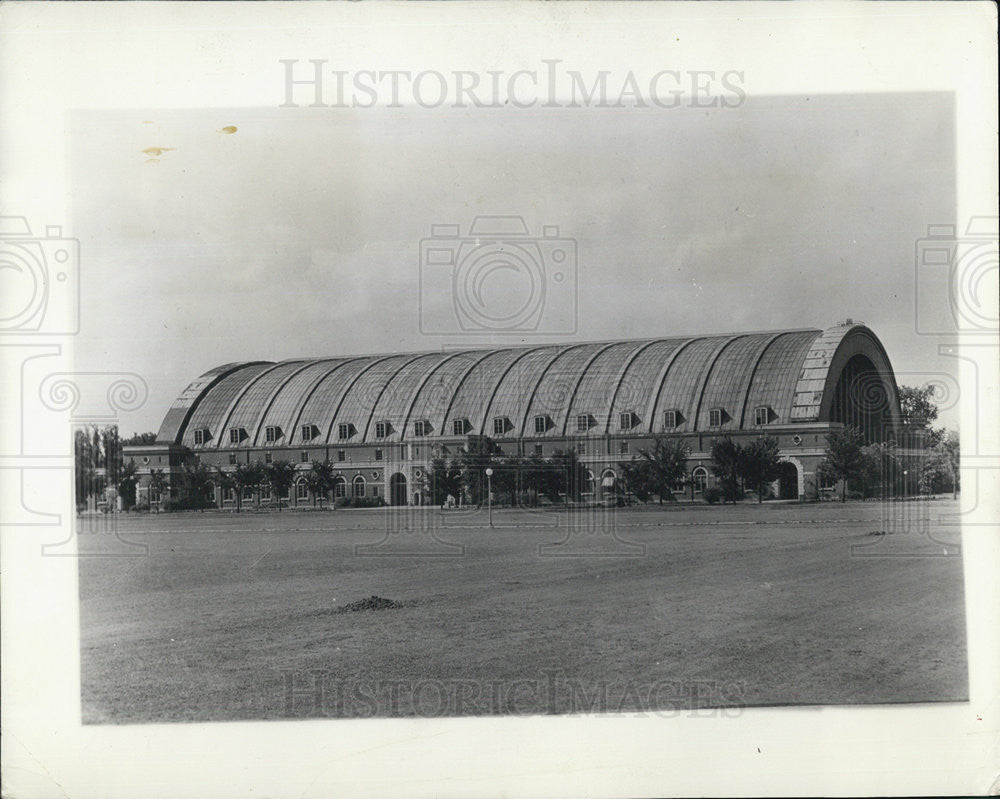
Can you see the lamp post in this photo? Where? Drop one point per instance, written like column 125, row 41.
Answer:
column 489, row 494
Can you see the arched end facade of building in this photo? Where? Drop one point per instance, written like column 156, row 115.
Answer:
column 380, row 419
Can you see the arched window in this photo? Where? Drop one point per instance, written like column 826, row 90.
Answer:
column 699, row 477
column 339, row 487
column 358, row 488
column 301, row 490
column 608, row 479
column 589, row 486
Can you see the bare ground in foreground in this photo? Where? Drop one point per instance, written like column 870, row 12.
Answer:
column 205, row 617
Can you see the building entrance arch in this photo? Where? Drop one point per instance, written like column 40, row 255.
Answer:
column 788, row 481
column 397, row 489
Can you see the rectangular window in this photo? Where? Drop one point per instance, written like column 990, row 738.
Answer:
column 458, row 427
column 232, row 458
column 420, row 428
column 715, row 417
column 267, row 457
column 307, row 432
column 581, row 448
column 582, row 423
column 541, row 423
column 234, row 435
column 381, row 429
column 378, row 454
column 761, row 415
column 623, row 448
column 341, row 455
column 301, row 490
column 669, row 420
column 416, row 452
column 304, row 457
column 538, row 450
column 374, row 491
column 499, row 425
column 199, row 436
column 343, row 431
column 270, row 434
column 625, row 421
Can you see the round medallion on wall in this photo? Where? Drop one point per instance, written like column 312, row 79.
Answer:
column 796, row 440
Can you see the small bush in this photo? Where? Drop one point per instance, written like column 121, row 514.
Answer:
column 712, row 495
column 186, row 503
column 360, row 502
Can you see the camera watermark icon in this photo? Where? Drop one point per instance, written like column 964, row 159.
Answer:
column 497, row 279
column 957, row 279
column 39, row 280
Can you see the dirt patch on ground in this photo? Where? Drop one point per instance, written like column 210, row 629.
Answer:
column 371, row 603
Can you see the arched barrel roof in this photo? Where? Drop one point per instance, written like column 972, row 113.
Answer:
column 590, row 389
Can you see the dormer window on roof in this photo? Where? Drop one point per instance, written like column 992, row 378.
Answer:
column 309, row 432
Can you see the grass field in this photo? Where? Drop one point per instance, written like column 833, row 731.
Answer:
column 216, row 616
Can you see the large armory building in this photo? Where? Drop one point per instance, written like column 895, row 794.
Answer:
column 380, row 419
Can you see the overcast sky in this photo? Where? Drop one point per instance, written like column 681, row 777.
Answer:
column 299, row 233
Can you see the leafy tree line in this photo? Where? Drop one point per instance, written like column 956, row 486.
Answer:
column 754, row 465
column 657, row 471
column 99, row 463
column 925, row 461
column 279, row 476
column 516, row 480
column 883, row 470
